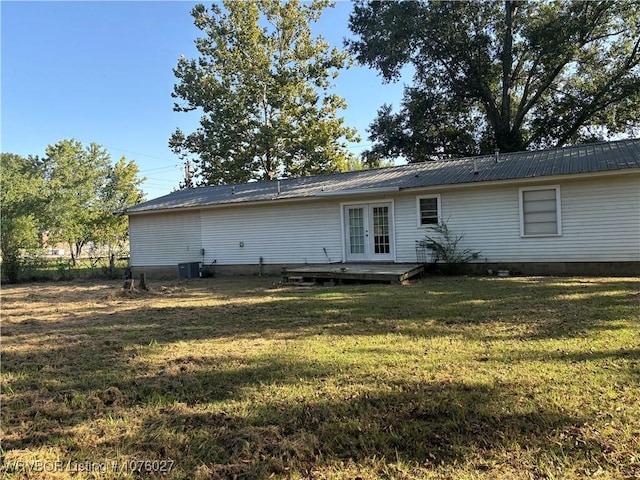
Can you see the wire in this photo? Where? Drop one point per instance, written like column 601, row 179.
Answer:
column 172, row 167
column 84, row 141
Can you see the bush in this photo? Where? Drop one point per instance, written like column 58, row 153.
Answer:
column 11, row 266
column 445, row 248
column 35, row 267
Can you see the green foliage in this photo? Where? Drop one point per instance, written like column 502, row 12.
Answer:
column 445, row 246
column 263, row 84
column 85, row 193
column 74, row 178
column 501, row 75
column 121, row 190
column 20, row 198
column 38, row 267
column 72, row 195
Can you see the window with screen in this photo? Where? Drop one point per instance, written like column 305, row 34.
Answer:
column 428, row 210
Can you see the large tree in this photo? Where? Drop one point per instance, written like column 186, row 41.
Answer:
column 21, row 197
column 500, row 75
column 74, row 177
column 263, row 85
column 121, row 189
column 84, row 192
column 73, row 195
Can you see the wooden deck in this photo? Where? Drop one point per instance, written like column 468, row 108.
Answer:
column 337, row 272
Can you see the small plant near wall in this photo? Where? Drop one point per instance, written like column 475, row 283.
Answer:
column 445, row 246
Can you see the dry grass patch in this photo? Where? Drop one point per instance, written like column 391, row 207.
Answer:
column 442, row 378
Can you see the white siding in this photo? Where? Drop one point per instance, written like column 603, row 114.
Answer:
column 280, row 234
column 600, row 222
column 165, row 238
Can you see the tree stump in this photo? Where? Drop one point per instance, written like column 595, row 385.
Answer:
column 143, row 282
column 128, row 280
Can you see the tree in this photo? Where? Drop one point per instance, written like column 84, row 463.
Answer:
column 72, row 195
column 501, row 75
column 20, row 198
column 263, row 85
column 83, row 192
column 121, row 190
column 74, row 177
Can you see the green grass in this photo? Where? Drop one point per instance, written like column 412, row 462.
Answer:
column 443, row 378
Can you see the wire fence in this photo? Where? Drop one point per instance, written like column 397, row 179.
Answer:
column 41, row 268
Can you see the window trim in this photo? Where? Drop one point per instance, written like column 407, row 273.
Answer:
column 419, row 213
column 521, row 191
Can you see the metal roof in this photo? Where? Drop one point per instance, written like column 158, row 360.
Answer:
column 578, row 159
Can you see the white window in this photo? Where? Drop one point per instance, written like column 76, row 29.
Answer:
column 540, row 211
column 429, row 210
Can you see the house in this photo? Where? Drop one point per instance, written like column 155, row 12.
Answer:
column 565, row 210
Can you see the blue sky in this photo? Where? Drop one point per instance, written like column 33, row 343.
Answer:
column 103, row 72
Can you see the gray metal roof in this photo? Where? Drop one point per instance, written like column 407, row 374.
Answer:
column 579, row 159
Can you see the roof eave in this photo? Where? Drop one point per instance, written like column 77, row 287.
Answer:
column 374, row 191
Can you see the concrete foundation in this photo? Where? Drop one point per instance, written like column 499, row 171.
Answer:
column 595, row 269
column 167, row 272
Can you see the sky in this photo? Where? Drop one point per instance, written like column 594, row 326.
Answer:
column 103, row 72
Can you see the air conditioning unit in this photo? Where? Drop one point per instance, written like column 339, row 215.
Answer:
column 189, row 270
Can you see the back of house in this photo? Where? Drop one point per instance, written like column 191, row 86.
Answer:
column 573, row 210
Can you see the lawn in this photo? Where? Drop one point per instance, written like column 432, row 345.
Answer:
column 461, row 378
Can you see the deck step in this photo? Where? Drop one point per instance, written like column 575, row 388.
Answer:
column 294, row 279
column 389, row 273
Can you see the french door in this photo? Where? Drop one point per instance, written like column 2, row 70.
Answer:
column 369, row 232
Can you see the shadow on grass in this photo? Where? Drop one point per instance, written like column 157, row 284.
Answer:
column 531, row 309
column 558, row 308
column 423, row 426
column 469, row 308
column 191, row 414
column 74, row 371
column 58, row 395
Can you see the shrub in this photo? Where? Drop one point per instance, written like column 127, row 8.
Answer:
column 444, row 244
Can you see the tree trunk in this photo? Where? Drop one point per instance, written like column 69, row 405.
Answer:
column 143, row 282
column 79, row 246
column 507, row 63
column 112, row 266
column 73, row 255
column 509, row 140
column 507, row 136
